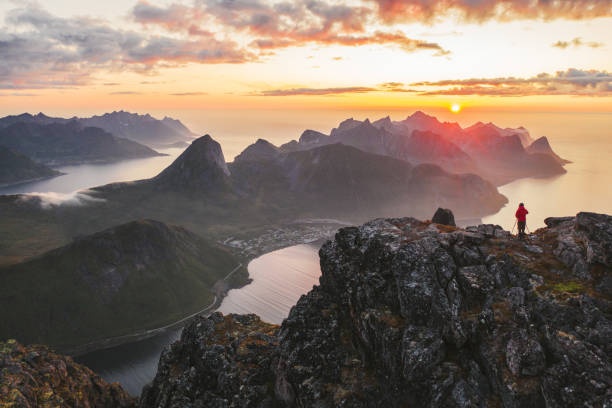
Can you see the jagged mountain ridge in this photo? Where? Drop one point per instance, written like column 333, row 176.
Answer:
column 333, row 179
column 344, row 181
column 17, row 168
column 69, row 143
column 139, row 128
column 418, row 314
column 420, row 138
column 142, row 274
column 206, row 195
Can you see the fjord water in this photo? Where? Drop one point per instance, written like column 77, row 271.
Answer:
column 83, row 176
column 279, row 279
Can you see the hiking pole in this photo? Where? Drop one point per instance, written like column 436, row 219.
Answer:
column 514, row 226
column 529, row 232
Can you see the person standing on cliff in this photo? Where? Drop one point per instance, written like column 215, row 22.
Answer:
column 521, row 217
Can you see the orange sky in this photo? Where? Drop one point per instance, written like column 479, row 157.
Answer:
column 65, row 56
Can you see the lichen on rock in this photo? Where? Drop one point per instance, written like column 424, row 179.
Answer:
column 35, row 376
column 413, row 314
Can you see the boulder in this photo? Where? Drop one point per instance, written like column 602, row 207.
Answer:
column 444, row 216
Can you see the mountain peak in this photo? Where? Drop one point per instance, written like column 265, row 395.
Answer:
column 201, row 167
column 420, row 115
column 260, row 150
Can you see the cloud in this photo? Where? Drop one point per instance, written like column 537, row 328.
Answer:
column 50, row 200
column 577, row 42
column 271, row 26
column 40, row 50
column 393, row 11
column 395, row 87
column 125, row 93
column 188, row 93
column 570, row 82
column 385, row 87
column 315, row 91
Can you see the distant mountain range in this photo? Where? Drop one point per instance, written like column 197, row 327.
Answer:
column 143, row 274
column 17, row 168
column 261, row 188
column 143, row 129
column 499, row 155
column 71, row 142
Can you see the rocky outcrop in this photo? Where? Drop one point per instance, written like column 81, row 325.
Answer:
column 411, row 313
column 444, row 216
column 35, row 376
column 218, row 362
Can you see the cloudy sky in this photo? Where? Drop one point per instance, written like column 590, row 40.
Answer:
column 524, row 54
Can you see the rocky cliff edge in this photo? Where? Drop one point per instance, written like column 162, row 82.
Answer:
column 415, row 314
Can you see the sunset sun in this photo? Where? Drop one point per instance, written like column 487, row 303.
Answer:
column 455, row 108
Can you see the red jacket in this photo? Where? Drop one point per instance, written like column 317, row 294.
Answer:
column 521, row 214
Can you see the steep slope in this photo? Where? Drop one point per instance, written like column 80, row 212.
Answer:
column 17, row 168
column 139, row 275
column 343, row 181
column 70, row 143
column 418, row 314
column 541, row 145
column 35, row 376
column 200, row 167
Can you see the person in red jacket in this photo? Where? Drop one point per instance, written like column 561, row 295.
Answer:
column 521, row 217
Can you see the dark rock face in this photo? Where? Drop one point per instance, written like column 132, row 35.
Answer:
column 34, row 376
column 218, row 362
column 444, row 216
column 408, row 314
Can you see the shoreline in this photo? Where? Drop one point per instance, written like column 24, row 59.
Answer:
column 220, row 288
column 115, row 341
